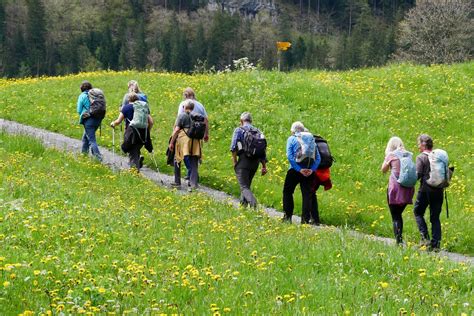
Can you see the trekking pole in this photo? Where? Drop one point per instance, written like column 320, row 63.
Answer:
column 113, row 148
column 446, row 198
column 156, row 166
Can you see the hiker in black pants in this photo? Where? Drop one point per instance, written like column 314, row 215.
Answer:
column 427, row 195
column 300, row 171
column 134, row 138
column 245, row 159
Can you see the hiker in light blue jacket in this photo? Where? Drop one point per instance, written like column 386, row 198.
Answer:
column 299, row 172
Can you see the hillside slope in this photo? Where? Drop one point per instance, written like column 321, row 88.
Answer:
column 356, row 111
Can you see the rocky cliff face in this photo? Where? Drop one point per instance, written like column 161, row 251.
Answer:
column 246, row 8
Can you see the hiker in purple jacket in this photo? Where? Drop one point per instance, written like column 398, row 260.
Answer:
column 398, row 196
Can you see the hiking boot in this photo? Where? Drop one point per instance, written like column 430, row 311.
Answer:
column 140, row 162
column 176, row 185
column 286, row 219
column 190, row 189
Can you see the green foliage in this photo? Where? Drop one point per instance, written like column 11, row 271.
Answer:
column 75, row 239
column 357, row 111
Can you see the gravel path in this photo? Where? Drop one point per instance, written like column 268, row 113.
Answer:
column 117, row 162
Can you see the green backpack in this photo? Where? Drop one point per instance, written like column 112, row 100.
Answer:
column 140, row 114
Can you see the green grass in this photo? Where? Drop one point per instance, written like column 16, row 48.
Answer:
column 76, row 237
column 357, row 111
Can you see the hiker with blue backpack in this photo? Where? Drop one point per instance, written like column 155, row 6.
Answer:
column 138, row 123
column 401, row 183
column 133, row 87
column 248, row 148
column 303, row 156
column 434, row 174
column 91, row 108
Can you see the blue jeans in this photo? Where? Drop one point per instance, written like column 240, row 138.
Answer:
column 88, row 139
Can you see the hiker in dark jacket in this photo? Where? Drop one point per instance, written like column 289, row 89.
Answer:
column 134, row 138
column 427, row 195
column 245, row 166
column 91, row 124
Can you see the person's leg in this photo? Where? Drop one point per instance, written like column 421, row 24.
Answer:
column 306, row 195
column 419, row 209
column 193, row 177
column 291, row 181
column 177, row 173
column 134, row 157
column 188, row 167
column 397, row 220
column 436, row 204
column 314, row 209
column 244, row 177
column 91, row 127
column 85, row 143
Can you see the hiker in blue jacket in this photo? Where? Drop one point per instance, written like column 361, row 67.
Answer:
column 299, row 173
column 91, row 124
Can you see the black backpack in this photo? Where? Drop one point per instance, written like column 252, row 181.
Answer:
column 197, row 128
column 326, row 158
column 254, row 144
column 98, row 106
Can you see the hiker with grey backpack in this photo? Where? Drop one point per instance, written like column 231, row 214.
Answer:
column 248, row 148
column 401, row 183
column 138, row 123
column 91, row 107
column 432, row 168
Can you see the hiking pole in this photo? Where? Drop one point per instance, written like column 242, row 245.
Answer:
column 446, row 198
column 156, row 166
column 113, row 148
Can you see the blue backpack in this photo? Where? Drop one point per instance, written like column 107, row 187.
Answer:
column 306, row 154
column 407, row 177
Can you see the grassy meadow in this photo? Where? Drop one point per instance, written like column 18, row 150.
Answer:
column 356, row 111
column 77, row 238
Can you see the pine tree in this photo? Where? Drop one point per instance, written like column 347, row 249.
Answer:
column 36, row 36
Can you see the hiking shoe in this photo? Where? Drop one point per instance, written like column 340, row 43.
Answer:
column 190, row 189
column 140, row 162
column 176, row 185
column 286, row 220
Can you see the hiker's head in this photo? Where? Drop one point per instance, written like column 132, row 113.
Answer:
column 245, row 117
column 85, row 85
column 297, row 127
column 188, row 93
column 132, row 97
column 393, row 144
column 133, row 86
column 189, row 106
column 425, row 142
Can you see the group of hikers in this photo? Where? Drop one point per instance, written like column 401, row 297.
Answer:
column 308, row 156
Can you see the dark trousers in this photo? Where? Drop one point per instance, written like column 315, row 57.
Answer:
column 315, row 209
column 88, row 138
column 193, row 168
column 292, row 179
column 134, row 156
column 244, row 177
column 435, row 200
column 397, row 220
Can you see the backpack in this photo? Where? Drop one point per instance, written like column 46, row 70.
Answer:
column 197, row 128
column 440, row 174
column 407, row 177
column 306, row 153
column 323, row 148
column 254, row 144
column 140, row 114
column 98, row 105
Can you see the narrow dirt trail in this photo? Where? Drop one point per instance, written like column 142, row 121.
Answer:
column 116, row 161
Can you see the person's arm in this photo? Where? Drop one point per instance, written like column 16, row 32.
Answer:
column 264, row 167
column 80, row 102
column 150, row 121
column 173, row 137
column 316, row 162
column 234, row 158
column 386, row 164
column 206, row 133
column 290, row 154
column 117, row 121
column 419, row 166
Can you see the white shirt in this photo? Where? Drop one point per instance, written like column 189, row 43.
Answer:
column 198, row 108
